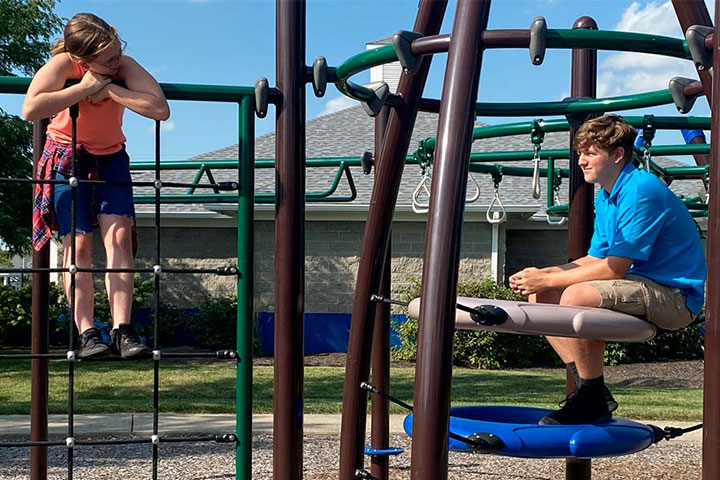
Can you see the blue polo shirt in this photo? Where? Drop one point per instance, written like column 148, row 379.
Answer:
column 643, row 220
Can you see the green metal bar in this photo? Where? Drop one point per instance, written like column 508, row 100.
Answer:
column 358, row 63
column 550, row 181
column 557, row 125
column 618, row 41
column 173, row 91
column 185, row 198
column 196, row 180
column 512, row 171
column 245, row 248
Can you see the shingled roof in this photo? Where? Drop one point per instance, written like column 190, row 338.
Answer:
column 350, row 132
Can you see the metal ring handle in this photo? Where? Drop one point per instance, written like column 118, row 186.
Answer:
column 536, row 178
column 503, row 214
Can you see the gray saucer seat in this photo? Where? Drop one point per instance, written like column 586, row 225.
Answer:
column 555, row 320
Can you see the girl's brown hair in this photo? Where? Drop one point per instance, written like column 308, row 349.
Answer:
column 607, row 132
column 85, row 37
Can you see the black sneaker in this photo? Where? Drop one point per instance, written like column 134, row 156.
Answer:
column 91, row 344
column 125, row 342
column 609, row 399
column 584, row 406
column 612, row 404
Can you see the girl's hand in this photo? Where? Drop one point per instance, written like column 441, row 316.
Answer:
column 98, row 96
column 94, row 82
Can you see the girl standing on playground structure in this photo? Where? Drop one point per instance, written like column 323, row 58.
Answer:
column 92, row 52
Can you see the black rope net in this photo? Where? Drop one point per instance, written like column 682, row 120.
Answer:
column 158, row 269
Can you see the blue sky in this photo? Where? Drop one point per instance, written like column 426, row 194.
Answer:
column 233, row 43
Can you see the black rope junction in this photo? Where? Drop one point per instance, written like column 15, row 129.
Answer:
column 70, row 442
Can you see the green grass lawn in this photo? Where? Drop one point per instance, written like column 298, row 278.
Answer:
column 201, row 387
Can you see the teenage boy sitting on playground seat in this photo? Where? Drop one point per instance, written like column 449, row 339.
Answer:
column 645, row 259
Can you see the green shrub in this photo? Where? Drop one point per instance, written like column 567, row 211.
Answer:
column 493, row 350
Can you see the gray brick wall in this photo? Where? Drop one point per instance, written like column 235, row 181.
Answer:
column 536, row 248
column 332, row 260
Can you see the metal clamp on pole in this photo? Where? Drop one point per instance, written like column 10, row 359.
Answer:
column 682, row 101
column 402, row 41
column 320, row 71
column 367, row 162
column 538, row 40
column 380, row 92
column 261, row 97
column 695, row 36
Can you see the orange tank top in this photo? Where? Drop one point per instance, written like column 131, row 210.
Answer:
column 99, row 125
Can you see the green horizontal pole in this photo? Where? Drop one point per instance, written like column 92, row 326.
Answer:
column 558, row 125
column 618, row 41
column 513, row 171
column 173, row 91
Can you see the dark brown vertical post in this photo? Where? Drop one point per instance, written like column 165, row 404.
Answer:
column 40, row 336
column 380, row 429
column 433, row 370
column 694, row 12
column 580, row 224
column 711, row 389
column 289, row 241
column 390, row 164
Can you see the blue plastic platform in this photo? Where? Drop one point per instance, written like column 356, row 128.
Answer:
column 521, row 435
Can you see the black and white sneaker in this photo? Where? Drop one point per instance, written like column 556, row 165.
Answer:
column 586, row 405
column 91, row 344
column 125, row 342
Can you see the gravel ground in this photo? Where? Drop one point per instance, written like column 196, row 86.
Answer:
column 667, row 460
column 675, row 460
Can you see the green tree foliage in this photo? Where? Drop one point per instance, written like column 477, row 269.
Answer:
column 26, row 30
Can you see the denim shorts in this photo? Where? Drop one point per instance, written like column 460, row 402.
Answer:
column 94, row 200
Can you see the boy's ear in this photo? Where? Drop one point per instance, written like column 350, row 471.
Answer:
column 619, row 154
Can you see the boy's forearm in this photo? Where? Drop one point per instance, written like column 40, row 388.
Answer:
column 600, row 269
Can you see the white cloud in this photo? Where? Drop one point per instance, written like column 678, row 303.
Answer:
column 626, row 73
column 165, row 127
column 337, row 104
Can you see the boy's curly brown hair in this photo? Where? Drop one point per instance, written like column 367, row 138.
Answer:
column 607, row 132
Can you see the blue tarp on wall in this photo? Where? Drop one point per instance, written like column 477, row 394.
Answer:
column 324, row 332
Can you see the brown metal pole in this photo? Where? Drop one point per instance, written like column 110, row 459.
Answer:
column 40, row 336
column 289, row 241
column 380, row 428
column 694, row 12
column 391, row 162
column 711, row 388
column 580, row 224
column 433, row 370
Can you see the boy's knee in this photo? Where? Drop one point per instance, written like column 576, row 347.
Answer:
column 581, row 295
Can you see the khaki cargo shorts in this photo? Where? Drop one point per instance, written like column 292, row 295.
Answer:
column 641, row 297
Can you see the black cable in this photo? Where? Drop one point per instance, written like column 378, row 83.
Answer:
column 74, row 112
column 370, row 388
column 219, row 438
column 488, row 315
column 156, row 361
